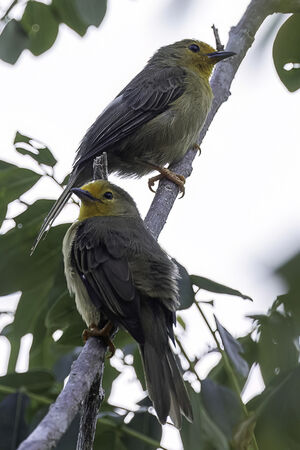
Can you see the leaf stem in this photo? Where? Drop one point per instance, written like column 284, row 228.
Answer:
column 228, row 368
column 191, row 363
column 142, row 437
column 38, row 398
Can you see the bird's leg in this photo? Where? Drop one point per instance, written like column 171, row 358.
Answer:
column 104, row 333
column 167, row 173
column 197, row 147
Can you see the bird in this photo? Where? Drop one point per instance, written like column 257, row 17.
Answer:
column 152, row 122
column 121, row 277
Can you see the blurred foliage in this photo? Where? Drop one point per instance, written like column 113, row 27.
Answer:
column 286, row 53
column 221, row 420
column 39, row 25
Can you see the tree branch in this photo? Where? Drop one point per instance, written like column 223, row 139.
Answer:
column 62, row 412
column 90, row 361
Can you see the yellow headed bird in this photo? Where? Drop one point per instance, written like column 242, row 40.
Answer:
column 153, row 121
column 118, row 271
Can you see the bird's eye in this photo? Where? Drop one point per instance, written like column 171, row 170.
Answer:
column 108, row 195
column 194, row 47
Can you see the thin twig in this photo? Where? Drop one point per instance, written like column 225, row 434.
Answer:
column 219, row 45
column 100, row 168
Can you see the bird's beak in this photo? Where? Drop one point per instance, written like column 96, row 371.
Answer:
column 218, row 56
column 83, row 194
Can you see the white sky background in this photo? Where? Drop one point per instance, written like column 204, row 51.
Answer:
column 240, row 217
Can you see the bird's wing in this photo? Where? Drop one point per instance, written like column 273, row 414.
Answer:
column 149, row 94
column 104, row 270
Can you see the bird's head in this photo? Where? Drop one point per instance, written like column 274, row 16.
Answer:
column 101, row 198
column 191, row 54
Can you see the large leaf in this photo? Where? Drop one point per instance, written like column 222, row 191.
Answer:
column 13, row 40
column 40, row 25
column 222, row 405
column 14, row 182
column 213, row 286
column 91, row 12
column 19, row 270
column 286, row 52
column 203, row 433
column 13, row 428
column 35, row 149
column 36, row 381
column 234, row 349
column 279, row 413
column 186, row 293
column 146, row 424
column 277, row 351
column 68, row 13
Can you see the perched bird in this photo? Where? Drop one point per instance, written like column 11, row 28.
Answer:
column 119, row 273
column 153, row 121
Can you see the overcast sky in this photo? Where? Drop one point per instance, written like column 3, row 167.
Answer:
column 240, row 216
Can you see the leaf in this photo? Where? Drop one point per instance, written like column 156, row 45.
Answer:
column 146, row 424
column 62, row 313
column 40, row 25
column 13, row 40
column 277, row 351
column 233, row 348
column 212, row 286
column 202, row 434
column 91, row 12
column 243, row 434
column 68, row 13
column 13, row 428
column 19, row 270
column 14, row 182
column 286, row 51
column 36, row 381
column 39, row 153
column 186, row 293
column 222, row 405
column 278, row 413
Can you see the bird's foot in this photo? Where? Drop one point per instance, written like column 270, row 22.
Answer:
column 198, row 148
column 167, row 173
column 104, row 333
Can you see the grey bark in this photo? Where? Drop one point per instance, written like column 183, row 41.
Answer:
column 91, row 360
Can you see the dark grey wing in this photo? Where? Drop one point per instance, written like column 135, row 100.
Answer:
column 149, row 94
column 107, row 278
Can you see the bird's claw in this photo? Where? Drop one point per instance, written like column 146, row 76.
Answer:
column 104, row 333
column 179, row 180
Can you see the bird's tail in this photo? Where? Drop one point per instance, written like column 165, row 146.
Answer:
column 55, row 210
column 163, row 378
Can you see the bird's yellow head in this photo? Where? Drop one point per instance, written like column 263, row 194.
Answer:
column 101, row 198
column 190, row 54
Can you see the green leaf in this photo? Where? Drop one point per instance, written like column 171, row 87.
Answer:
column 278, row 413
column 286, row 51
column 203, row 433
column 213, row 286
column 41, row 26
column 277, row 351
column 14, row 182
column 234, row 349
column 41, row 155
column 186, row 293
column 19, row 271
column 13, row 40
column 222, row 405
column 91, row 12
column 62, row 313
column 36, row 381
column 72, row 336
column 146, row 424
column 13, row 428
column 68, row 13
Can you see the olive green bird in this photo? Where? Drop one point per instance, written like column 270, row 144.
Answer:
column 153, row 121
column 120, row 275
